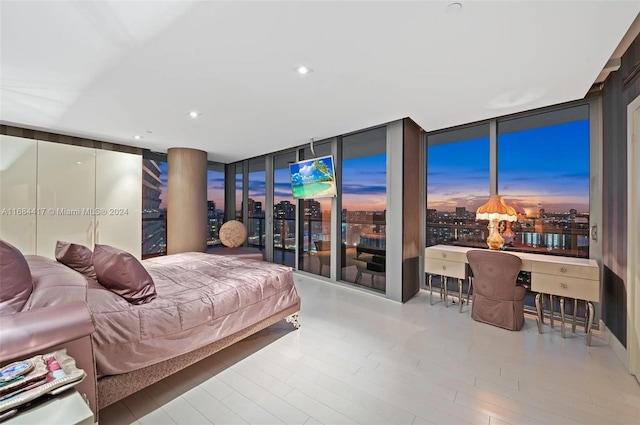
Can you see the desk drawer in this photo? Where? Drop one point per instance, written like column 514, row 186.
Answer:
column 438, row 254
column 566, row 270
column 568, row 287
column 446, row 268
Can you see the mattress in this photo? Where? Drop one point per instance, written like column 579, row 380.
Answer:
column 201, row 298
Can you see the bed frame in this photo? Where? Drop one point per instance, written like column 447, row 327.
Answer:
column 113, row 388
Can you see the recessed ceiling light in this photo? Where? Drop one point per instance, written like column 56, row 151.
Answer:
column 454, row 8
column 194, row 114
column 137, row 136
column 303, row 69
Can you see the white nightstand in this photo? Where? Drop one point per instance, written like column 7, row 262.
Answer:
column 67, row 408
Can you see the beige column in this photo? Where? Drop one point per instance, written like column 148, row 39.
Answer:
column 187, row 203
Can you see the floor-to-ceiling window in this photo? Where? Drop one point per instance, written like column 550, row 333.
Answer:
column 314, row 235
column 364, row 204
column 215, row 202
column 543, row 166
column 154, row 205
column 284, row 211
column 541, row 169
column 256, row 226
column 457, row 184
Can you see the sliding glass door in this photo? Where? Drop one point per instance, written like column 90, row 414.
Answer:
column 314, row 234
column 364, row 205
column 284, row 211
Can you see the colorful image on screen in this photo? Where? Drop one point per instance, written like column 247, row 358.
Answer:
column 313, row 178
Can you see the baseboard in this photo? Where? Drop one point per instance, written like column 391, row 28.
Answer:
column 618, row 348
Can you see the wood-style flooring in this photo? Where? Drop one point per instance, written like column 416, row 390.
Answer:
column 359, row 358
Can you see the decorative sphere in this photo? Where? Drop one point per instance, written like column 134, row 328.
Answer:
column 232, row 234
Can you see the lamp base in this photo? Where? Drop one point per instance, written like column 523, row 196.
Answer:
column 494, row 241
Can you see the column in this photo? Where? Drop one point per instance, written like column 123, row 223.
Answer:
column 187, row 203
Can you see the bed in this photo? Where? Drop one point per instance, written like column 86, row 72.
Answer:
column 204, row 303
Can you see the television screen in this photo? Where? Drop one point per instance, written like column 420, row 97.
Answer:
column 313, row 178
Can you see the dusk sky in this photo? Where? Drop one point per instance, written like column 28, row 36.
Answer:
column 215, row 186
column 364, row 184
column 546, row 167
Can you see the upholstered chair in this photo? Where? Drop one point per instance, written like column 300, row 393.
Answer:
column 323, row 252
column 497, row 299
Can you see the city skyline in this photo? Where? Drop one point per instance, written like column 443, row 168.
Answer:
column 546, row 167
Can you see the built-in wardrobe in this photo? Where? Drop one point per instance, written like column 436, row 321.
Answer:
column 53, row 191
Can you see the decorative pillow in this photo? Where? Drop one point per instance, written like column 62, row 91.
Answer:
column 122, row 273
column 232, row 234
column 15, row 279
column 76, row 256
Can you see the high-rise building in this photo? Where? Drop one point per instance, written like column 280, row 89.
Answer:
column 154, row 229
column 214, row 221
column 312, row 209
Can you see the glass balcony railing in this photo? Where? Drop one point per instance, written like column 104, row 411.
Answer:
column 284, row 239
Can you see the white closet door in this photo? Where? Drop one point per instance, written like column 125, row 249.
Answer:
column 18, row 159
column 66, row 191
column 119, row 200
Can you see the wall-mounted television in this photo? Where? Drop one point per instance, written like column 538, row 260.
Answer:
column 313, row 178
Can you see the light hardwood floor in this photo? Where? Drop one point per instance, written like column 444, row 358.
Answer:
column 358, row 358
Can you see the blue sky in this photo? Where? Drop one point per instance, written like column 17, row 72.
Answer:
column 547, row 167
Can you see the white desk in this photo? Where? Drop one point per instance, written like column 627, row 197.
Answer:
column 566, row 277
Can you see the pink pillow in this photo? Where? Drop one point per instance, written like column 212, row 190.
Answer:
column 76, row 256
column 15, row 279
column 122, row 273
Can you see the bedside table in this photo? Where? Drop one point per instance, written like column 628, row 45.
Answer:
column 67, row 408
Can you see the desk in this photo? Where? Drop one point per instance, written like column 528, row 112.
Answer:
column 566, row 277
column 446, row 261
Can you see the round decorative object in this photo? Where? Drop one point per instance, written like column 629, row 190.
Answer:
column 232, row 234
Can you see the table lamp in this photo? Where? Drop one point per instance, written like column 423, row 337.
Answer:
column 495, row 210
column 508, row 233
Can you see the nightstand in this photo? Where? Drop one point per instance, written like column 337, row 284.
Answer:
column 67, row 408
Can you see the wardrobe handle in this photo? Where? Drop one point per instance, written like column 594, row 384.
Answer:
column 34, row 237
column 90, row 234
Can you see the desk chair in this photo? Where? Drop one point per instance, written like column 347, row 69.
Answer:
column 497, row 300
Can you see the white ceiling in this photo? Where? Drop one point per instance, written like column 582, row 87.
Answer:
column 110, row 70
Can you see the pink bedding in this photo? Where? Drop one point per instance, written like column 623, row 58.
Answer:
column 201, row 299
